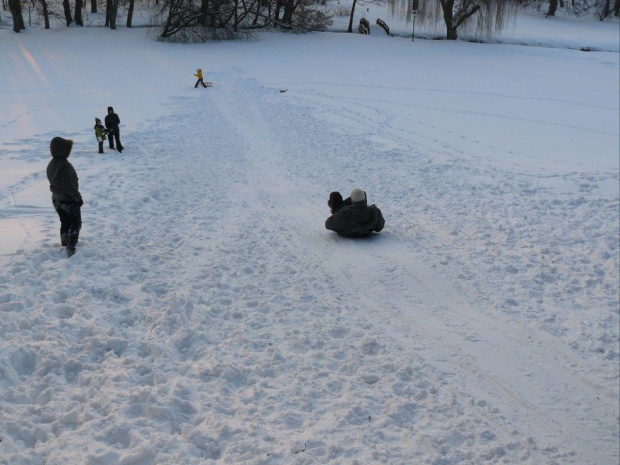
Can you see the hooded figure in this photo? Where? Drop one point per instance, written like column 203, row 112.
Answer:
column 66, row 196
column 111, row 123
column 356, row 220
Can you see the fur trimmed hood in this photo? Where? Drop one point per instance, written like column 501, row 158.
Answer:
column 61, row 148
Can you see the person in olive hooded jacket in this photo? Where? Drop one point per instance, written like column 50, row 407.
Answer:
column 356, row 219
column 66, row 196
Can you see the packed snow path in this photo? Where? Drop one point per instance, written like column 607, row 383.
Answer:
column 209, row 317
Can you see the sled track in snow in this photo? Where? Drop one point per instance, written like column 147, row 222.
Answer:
column 209, row 315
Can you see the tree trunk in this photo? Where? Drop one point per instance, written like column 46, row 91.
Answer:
column 113, row 14
column 204, row 11
column 289, row 9
column 16, row 11
column 277, row 13
column 130, row 13
column 448, row 17
column 93, row 6
column 46, row 14
column 257, row 14
column 67, row 9
column 78, row 13
column 235, row 21
column 108, row 12
column 351, row 18
column 287, row 16
column 553, row 5
column 606, row 10
column 561, row 3
column 616, row 8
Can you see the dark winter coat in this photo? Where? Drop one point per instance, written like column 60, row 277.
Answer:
column 112, row 121
column 357, row 220
column 61, row 174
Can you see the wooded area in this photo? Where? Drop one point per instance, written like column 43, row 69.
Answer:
column 202, row 20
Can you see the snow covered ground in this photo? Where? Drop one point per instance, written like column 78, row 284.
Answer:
column 208, row 316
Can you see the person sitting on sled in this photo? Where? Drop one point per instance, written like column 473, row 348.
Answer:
column 199, row 76
column 357, row 219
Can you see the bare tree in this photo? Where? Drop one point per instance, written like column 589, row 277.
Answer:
column 194, row 20
column 67, row 10
column 78, row 13
column 477, row 16
column 289, row 9
column 114, row 14
column 606, row 9
column 130, row 13
column 46, row 15
column 109, row 6
column 601, row 9
column 16, row 12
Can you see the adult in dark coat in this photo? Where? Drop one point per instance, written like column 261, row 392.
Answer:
column 111, row 123
column 66, row 196
column 358, row 219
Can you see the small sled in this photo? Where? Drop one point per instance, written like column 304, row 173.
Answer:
column 209, row 84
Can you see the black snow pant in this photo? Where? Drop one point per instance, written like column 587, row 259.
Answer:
column 101, row 147
column 70, row 222
column 115, row 134
column 200, row 81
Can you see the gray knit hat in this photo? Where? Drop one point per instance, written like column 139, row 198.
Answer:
column 358, row 195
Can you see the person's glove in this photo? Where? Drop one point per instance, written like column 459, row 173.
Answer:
column 80, row 203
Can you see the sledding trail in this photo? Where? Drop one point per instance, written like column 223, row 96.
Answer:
column 519, row 371
column 386, row 281
column 208, row 317
column 195, row 325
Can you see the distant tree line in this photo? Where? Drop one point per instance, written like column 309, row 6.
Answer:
column 181, row 20
column 201, row 20
column 67, row 11
column 600, row 8
column 478, row 16
column 486, row 16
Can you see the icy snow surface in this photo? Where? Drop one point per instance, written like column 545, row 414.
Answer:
column 208, row 317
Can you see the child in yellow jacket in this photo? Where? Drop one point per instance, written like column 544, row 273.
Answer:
column 199, row 76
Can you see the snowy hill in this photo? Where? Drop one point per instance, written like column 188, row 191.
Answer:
column 208, row 316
